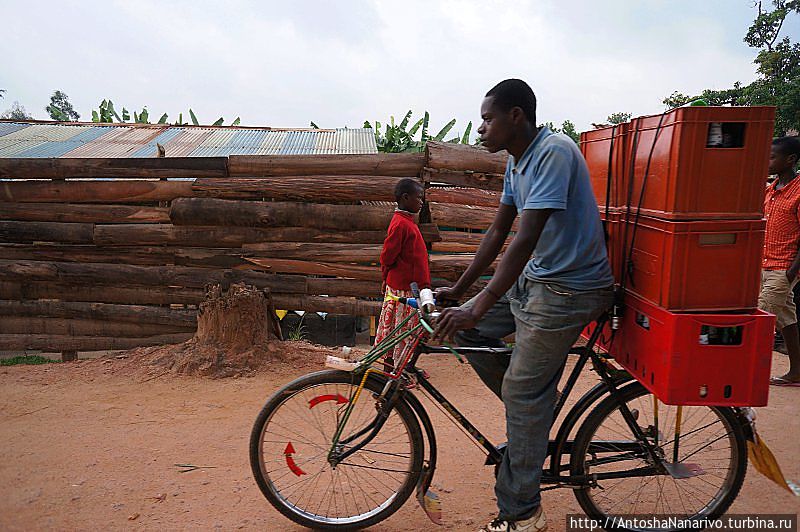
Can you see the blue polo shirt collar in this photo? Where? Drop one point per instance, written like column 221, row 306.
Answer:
column 520, row 166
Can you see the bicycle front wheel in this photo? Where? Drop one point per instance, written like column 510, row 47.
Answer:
column 711, row 455
column 291, row 440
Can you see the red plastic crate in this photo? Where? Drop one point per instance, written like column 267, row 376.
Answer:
column 709, row 265
column 665, row 351
column 612, row 222
column 688, row 179
column 595, row 146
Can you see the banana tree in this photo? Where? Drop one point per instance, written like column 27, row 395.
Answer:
column 106, row 113
column 397, row 138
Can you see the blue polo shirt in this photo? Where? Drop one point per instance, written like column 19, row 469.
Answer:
column 552, row 174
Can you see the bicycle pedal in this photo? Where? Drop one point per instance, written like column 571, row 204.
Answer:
column 409, row 381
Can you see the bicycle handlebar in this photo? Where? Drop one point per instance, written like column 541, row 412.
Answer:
column 423, row 299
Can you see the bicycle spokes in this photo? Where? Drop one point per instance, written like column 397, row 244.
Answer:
column 296, row 442
column 693, row 459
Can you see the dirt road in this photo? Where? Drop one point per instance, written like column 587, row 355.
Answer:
column 94, row 445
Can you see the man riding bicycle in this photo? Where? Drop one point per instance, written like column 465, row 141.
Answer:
column 546, row 300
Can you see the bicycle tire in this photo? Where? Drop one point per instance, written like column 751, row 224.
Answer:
column 714, row 508
column 328, row 381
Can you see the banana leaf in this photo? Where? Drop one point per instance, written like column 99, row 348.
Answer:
column 440, row 135
column 110, row 108
column 404, row 123
column 465, row 138
column 415, row 128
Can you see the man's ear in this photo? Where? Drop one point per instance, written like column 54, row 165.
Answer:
column 517, row 115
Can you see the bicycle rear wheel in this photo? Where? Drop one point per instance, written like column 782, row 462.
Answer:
column 709, row 437
column 293, row 434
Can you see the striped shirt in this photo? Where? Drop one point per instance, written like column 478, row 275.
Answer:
column 782, row 239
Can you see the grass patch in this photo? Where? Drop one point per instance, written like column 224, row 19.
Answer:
column 25, row 359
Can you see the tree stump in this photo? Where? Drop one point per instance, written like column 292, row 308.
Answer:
column 234, row 330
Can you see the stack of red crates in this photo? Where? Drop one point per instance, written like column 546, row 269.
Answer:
column 681, row 195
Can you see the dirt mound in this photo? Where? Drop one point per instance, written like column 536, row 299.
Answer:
column 237, row 334
column 190, row 358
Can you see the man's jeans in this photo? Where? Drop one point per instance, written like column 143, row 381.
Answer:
column 548, row 319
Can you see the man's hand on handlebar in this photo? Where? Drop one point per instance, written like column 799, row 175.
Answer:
column 452, row 320
column 447, row 296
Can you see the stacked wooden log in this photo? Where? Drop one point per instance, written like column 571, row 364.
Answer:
column 464, row 186
column 123, row 261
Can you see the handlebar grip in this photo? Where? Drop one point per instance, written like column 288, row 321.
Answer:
column 426, row 301
column 415, row 290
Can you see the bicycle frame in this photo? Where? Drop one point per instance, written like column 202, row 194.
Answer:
column 396, row 388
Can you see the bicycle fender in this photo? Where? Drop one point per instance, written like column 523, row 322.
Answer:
column 587, row 400
column 747, row 418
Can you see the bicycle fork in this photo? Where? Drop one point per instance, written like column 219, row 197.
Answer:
column 386, row 402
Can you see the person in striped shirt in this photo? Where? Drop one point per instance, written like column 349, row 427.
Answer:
column 781, row 262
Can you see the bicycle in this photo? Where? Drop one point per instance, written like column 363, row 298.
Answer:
column 343, row 449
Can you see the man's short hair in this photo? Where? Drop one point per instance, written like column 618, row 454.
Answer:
column 511, row 93
column 787, row 146
column 407, row 185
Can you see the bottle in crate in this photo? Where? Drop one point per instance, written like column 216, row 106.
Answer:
column 694, row 359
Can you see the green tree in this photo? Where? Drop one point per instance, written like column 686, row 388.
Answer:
column 618, row 118
column 567, row 128
column 61, row 109
column 777, row 64
column 16, row 112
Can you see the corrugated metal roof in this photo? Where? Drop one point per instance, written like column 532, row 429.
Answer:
column 36, row 139
column 361, row 140
column 185, row 141
column 27, row 138
column 10, row 127
column 56, row 147
column 163, row 138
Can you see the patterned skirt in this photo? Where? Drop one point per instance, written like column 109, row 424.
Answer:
column 392, row 314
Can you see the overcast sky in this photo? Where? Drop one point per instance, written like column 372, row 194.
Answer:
column 285, row 63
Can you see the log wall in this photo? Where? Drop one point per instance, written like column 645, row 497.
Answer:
column 88, row 264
